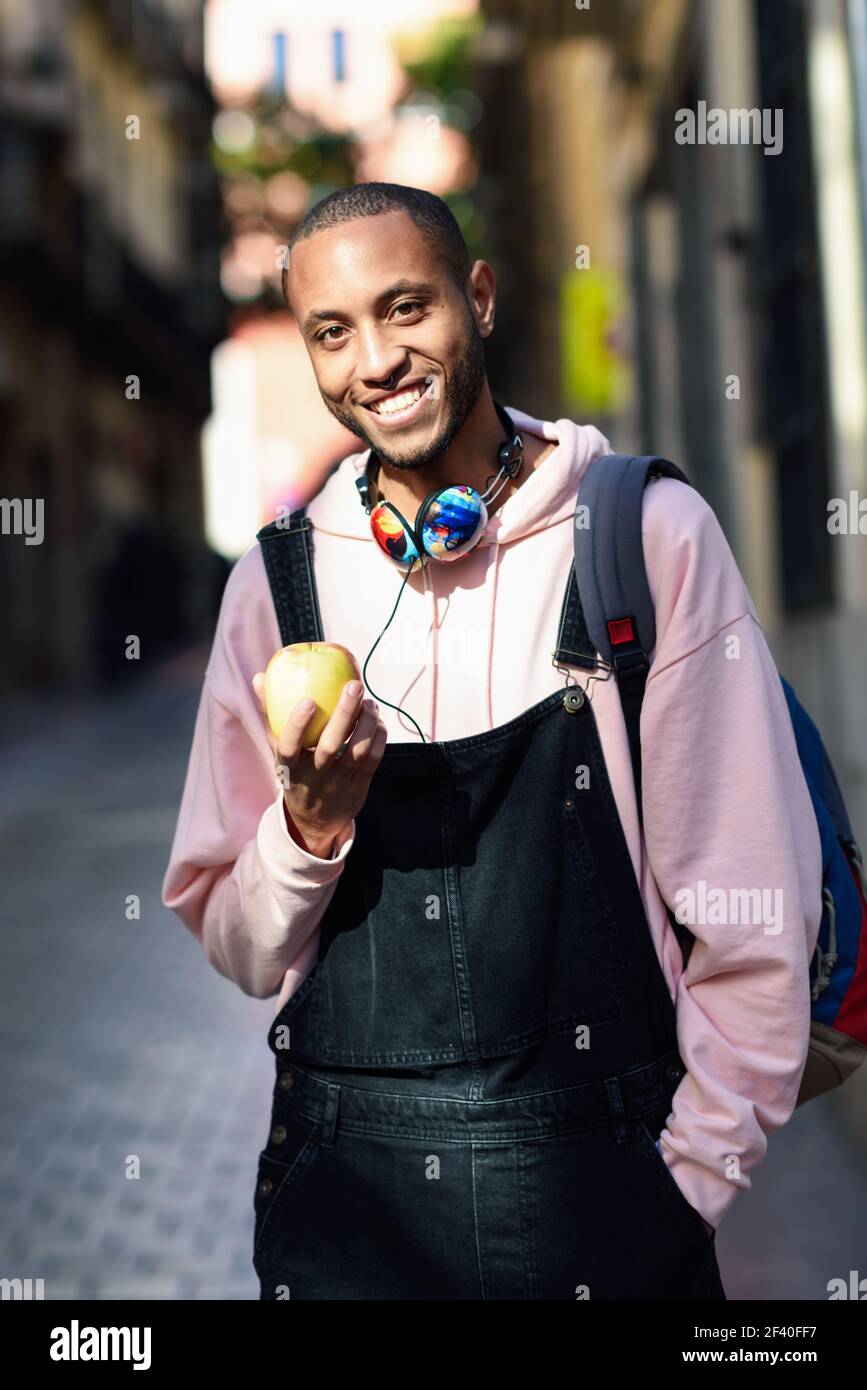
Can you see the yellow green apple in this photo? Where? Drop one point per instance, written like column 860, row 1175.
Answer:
column 307, row 670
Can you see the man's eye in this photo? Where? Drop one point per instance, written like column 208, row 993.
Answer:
column 412, row 305
column 406, row 308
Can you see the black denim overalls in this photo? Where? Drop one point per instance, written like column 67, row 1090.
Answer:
column 471, row 1079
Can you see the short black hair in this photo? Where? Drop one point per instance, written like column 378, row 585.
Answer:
column 433, row 217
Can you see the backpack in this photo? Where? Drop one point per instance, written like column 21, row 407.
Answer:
column 618, row 608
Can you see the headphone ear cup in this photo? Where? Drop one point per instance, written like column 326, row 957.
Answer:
column 395, row 537
column 450, row 522
column 421, row 514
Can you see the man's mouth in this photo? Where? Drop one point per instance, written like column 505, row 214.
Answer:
column 402, row 405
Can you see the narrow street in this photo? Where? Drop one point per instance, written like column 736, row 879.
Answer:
column 119, row 1039
column 118, row 1036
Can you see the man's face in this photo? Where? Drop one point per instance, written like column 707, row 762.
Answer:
column 376, row 304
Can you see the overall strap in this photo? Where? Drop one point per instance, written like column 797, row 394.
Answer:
column 574, row 647
column 287, row 552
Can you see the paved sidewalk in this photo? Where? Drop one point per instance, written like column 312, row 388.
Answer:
column 120, row 1039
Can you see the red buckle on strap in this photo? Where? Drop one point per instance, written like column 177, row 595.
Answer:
column 620, row 630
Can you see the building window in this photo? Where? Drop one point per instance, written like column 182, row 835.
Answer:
column 338, row 55
column 278, row 77
column 791, row 313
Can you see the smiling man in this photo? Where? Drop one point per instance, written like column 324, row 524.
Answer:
column 497, row 1077
column 400, row 362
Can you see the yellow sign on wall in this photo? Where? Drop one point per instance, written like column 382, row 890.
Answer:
column 595, row 377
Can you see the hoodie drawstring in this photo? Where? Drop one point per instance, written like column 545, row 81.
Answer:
column 493, row 609
column 429, row 589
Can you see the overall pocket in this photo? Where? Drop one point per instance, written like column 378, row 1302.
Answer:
column 648, row 1131
column 291, row 1151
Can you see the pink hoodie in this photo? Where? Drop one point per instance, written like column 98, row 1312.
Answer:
column 470, row 648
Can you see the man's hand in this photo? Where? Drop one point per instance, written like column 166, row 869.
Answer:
column 324, row 788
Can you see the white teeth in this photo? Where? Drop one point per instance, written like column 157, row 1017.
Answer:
column 392, row 404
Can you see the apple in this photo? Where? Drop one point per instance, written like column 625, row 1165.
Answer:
column 307, row 670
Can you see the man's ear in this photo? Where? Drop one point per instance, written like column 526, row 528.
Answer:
column 482, row 296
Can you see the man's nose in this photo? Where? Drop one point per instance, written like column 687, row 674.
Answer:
column 378, row 362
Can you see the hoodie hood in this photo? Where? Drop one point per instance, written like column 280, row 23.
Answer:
column 545, row 498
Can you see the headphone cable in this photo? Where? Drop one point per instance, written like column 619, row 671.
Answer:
column 506, row 472
column 399, row 708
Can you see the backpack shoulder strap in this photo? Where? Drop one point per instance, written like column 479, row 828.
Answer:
column 287, row 553
column 612, row 577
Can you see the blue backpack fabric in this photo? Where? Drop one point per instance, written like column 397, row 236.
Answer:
column 618, row 609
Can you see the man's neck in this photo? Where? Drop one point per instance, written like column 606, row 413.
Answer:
column 471, row 460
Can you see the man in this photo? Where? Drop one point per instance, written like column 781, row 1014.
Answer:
column 496, row 1079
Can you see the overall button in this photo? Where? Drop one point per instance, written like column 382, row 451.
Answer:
column 287, row 1081
column 278, row 1134
column 673, row 1071
column 573, row 699
column 265, row 1187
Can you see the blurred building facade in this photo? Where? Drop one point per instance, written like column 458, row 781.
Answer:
column 111, row 305
column 312, row 99
column 704, row 300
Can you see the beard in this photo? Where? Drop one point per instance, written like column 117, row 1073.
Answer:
column 465, row 387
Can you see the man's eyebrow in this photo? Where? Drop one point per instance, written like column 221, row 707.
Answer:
column 416, row 287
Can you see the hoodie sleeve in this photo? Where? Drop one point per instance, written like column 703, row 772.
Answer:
column 236, row 878
column 733, row 845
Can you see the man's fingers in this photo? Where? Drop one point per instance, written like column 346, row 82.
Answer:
column 259, row 689
column 290, row 740
column 335, row 734
column 359, row 745
column 377, row 747
column 340, row 725
column 258, row 684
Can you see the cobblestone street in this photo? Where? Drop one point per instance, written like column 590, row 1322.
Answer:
column 118, row 1036
column 120, row 1039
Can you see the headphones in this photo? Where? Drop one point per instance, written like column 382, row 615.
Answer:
column 449, row 523
column 450, row 520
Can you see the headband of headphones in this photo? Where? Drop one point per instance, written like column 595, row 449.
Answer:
column 450, row 520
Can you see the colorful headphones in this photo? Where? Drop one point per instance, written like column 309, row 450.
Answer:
column 450, row 520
